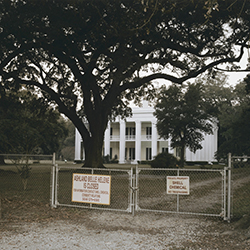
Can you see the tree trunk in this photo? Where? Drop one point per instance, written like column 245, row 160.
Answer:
column 25, row 182
column 182, row 156
column 93, row 149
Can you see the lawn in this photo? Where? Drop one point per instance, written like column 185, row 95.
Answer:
column 34, row 202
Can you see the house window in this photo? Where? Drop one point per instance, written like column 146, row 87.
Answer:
column 164, row 150
column 148, row 154
column 111, row 131
column 131, row 153
column 130, row 133
column 126, row 151
column 110, row 154
column 148, row 132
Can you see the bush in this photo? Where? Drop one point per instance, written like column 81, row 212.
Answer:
column 144, row 162
column 106, row 159
column 164, row 160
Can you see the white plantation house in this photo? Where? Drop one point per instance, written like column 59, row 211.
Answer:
column 136, row 139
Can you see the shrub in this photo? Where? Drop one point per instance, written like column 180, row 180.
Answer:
column 164, row 160
column 106, row 159
column 24, row 172
column 144, row 162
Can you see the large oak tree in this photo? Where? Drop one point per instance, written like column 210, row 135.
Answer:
column 91, row 57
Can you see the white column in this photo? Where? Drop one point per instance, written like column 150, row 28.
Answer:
column 83, row 153
column 78, row 140
column 122, row 142
column 154, row 139
column 138, row 141
column 107, row 140
column 170, row 149
column 215, row 142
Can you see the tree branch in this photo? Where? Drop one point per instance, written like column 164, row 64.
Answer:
column 55, row 97
column 233, row 70
column 180, row 80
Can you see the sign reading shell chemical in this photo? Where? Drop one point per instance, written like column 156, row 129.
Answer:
column 178, row 185
column 90, row 188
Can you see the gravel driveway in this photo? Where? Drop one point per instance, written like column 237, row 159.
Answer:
column 108, row 230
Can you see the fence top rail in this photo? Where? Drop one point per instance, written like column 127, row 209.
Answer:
column 240, row 157
column 25, row 155
column 94, row 169
column 181, row 169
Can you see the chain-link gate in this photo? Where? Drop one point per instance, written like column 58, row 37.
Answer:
column 207, row 192
column 143, row 189
column 105, row 189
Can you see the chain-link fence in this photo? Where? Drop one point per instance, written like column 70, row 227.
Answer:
column 240, row 191
column 28, row 181
column 24, row 182
column 194, row 191
column 184, row 191
column 106, row 189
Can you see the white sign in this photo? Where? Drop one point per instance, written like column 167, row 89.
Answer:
column 90, row 188
column 178, row 185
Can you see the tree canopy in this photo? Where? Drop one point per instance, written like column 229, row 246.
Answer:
column 234, row 122
column 184, row 117
column 91, row 57
column 231, row 108
column 28, row 125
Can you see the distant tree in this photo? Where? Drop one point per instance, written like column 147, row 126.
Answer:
column 98, row 55
column 183, row 117
column 240, row 144
column 28, row 125
column 231, row 107
column 247, row 82
column 234, row 122
column 216, row 90
column 67, row 149
column 70, row 139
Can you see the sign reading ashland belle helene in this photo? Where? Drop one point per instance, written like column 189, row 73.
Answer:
column 91, row 188
column 178, row 185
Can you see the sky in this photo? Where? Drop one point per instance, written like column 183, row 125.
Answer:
column 236, row 77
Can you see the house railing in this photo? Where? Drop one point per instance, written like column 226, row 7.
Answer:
column 130, row 137
column 146, row 137
column 114, row 138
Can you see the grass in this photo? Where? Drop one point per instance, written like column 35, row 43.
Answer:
column 241, row 192
column 35, row 201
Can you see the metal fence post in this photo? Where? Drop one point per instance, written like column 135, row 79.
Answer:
column 229, row 187
column 137, row 187
column 178, row 197
column 133, row 190
column 52, row 190
column 133, row 195
column 56, row 185
column 0, row 208
column 54, row 159
column 224, row 210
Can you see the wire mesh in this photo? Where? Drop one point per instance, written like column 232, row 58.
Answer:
column 240, row 194
column 146, row 192
column 24, row 182
column 120, row 194
column 206, row 192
